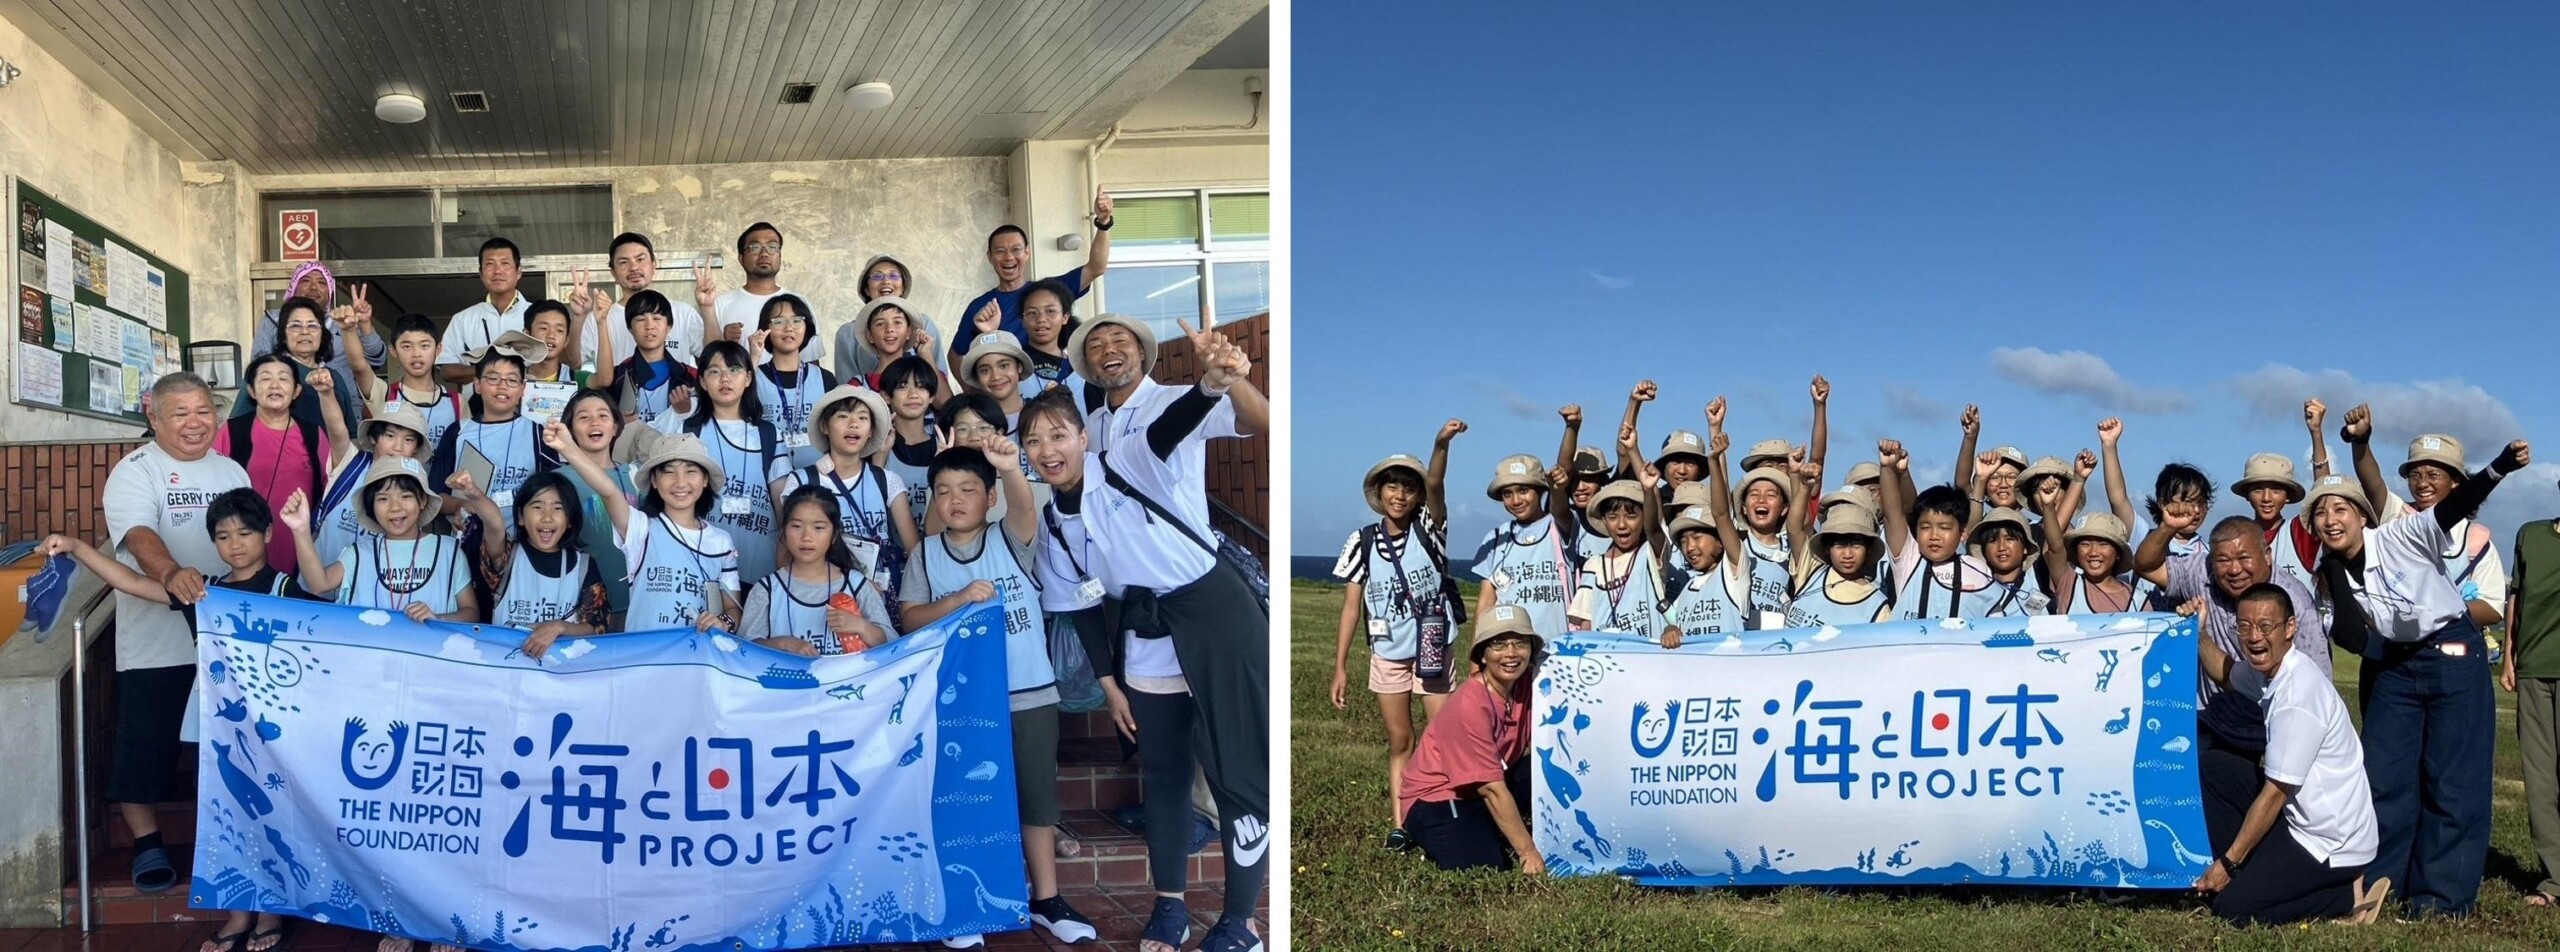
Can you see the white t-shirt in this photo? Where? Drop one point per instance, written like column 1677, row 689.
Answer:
column 2484, row 580
column 684, row 335
column 1134, row 548
column 737, row 306
column 477, row 326
column 2312, row 745
column 2404, row 589
column 149, row 489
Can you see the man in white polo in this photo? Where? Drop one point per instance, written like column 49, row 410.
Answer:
column 477, row 326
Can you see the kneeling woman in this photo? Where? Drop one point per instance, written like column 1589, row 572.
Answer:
column 1466, row 788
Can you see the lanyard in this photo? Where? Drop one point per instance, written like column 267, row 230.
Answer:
column 499, row 465
column 784, row 579
column 1050, row 513
column 382, row 565
column 736, row 483
column 1554, row 544
column 700, row 568
column 1395, row 565
column 1617, row 590
column 862, row 519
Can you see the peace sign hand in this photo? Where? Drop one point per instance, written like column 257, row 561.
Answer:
column 706, row 284
column 1972, row 420
column 362, row 305
column 582, row 299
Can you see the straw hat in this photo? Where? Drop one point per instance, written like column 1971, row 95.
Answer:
column 992, row 344
column 2104, row 527
column 2010, row 454
column 1369, row 483
column 1698, row 518
column 1626, row 489
column 2343, row 488
column 1865, row 472
column 1682, row 443
column 2001, row 515
column 1766, row 452
column 851, row 391
column 681, row 448
column 393, row 412
column 385, row 468
column 2435, row 448
column 525, row 347
column 1519, row 469
column 1499, row 622
column 1084, row 331
column 2270, row 469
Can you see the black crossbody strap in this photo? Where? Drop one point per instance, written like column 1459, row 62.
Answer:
column 1121, row 486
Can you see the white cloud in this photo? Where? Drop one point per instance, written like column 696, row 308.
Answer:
column 2085, row 375
column 1611, row 282
column 2401, row 409
column 1513, row 401
column 2522, row 497
column 460, row 647
column 1906, row 404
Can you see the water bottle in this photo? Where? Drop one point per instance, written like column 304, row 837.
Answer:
column 1431, row 657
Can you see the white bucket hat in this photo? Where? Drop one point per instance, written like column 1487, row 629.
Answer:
column 1136, row 327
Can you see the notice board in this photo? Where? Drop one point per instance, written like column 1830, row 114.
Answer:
column 99, row 318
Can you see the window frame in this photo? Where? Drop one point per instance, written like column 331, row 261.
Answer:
column 1204, row 254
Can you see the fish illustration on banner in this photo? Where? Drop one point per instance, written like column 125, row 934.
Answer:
column 635, row 793
column 1982, row 751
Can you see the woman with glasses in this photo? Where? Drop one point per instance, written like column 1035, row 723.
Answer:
column 303, row 334
column 883, row 277
column 789, row 383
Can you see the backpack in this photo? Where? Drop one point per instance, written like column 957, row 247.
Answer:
column 1439, row 563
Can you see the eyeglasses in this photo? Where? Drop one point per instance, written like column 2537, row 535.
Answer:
column 764, row 247
column 2268, row 628
column 782, row 319
column 505, row 381
column 723, row 371
column 886, row 276
column 302, row 326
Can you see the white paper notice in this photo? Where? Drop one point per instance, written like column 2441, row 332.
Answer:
column 101, row 333
column 57, row 261
column 106, row 387
column 155, row 299
column 125, row 288
column 39, row 375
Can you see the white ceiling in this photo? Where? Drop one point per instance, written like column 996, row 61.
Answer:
column 287, row 86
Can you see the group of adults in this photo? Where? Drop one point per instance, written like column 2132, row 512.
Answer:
column 526, row 452
column 2309, row 817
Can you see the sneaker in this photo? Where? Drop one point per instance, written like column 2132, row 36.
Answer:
column 1230, row 935
column 1062, row 920
column 970, row 941
column 1398, row 840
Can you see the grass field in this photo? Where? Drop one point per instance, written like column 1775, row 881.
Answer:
column 1347, row 892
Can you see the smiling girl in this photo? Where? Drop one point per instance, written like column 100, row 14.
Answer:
column 732, row 423
column 856, row 357
column 545, row 583
column 789, row 384
column 802, row 608
column 851, row 423
column 684, row 570
column 395, row 563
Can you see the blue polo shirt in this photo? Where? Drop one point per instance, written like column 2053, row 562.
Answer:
column 1011, row 303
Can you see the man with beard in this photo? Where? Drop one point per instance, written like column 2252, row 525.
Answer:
column 635, row 268
column 1009, row 252
column 738, row 312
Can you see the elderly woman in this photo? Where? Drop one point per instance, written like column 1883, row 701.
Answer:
column 1466, row 786
column 303, row 333
column 312, row 280
column 2431, row 720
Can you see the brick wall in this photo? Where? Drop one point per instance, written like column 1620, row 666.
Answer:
column 54, row 487
column 1239, row 470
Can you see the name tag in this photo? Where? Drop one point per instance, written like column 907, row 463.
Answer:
column 867, row 554
column 504, row 499
column 1377, row 628
column 1089, row 590
column 733, row 505
column 796, row 439
column 1500, row 579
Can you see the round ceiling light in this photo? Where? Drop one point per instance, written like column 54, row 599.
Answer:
column 399, row 107
column 865, row 97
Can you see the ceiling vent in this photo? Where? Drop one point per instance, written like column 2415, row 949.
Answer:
column 471, row 102
column 798, row 94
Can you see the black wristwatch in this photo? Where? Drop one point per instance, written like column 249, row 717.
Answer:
column 2233, row 865
column 1104, row 224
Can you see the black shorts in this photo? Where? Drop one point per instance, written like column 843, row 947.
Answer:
column 151, row 703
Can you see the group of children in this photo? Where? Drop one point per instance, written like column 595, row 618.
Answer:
column 738, row 487
column 1670, row 549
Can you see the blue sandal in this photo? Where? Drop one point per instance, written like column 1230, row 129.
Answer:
column 1230, row 935
column 152, row 872
column 1169, row 924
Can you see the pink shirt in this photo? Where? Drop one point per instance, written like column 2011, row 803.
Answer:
column 277, row 466
column 1469, row 743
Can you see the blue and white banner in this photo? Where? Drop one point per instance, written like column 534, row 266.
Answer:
column 2052, row 751
column 647, row 791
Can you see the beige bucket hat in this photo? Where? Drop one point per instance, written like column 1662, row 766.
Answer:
column 2000, row 515
column 1693, row 518
column 1626, row 489
column 1691, row 493
column 1589, row 462
column 2044, row 467
column 2268, row 469
column 870, row 400
column 1847, row 520
column 1377, row 474
column 1084, row 331
column 992, row 344
column 2011, row 454
column 386, row 468
column 1682, row 443
column 1764, row 453
column 2343, row 488
column 682, row 448
column 1786, row 484
column 1518, row 469
column 525, row 347
column 2436, row 448
column 1865, row 472
column 2104, row 527
column 862, row 318
column 1499, row 622
column 1850, row 496
column 393, row 412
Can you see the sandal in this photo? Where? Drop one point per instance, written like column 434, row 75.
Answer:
column 276, row 934
column 1068, row 846
column 1231, row 936
column 2369, row 902
column 1167, row 928
column 152, row 872
column 234, row 942
column 2539, row 899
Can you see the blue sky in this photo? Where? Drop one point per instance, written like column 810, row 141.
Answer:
column 2192, row 216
